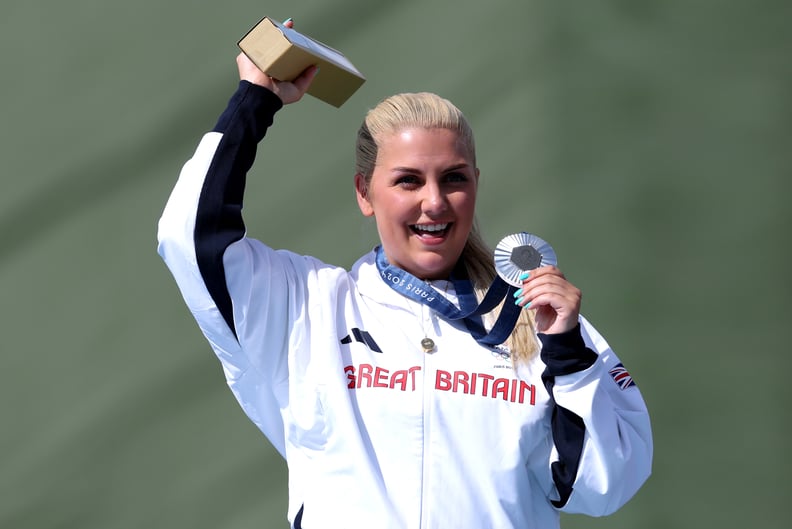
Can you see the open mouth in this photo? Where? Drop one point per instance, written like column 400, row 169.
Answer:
column 431, row 230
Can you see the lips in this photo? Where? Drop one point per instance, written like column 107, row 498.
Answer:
column 431, row 230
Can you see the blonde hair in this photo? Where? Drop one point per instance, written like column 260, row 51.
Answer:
column 430, row 111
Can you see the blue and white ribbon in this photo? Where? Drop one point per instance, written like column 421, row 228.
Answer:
column 469, row 310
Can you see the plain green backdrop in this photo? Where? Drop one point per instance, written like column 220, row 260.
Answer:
column 647, row 141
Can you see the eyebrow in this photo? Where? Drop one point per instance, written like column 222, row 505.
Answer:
column 456, row 167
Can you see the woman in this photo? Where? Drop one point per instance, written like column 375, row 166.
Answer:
column 388, row 412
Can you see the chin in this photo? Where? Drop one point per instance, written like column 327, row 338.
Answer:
column 434, row 269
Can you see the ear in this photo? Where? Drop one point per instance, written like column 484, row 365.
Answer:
column 362, row 192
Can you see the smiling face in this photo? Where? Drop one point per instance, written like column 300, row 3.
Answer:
column 422, row 194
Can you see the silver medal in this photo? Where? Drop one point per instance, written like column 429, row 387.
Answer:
column 520, row 253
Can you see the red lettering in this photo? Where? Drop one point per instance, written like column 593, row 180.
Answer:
column 413, row 370
column 399, row 377
column 364, row 373
column 350, row 371
column 530, row 387
column 461, row 379
column 443, row 380
column 501, row 386
column 482, row 384
column 379, row 375
column 487, row 378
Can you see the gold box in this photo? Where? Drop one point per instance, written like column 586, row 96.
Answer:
column 283, row 53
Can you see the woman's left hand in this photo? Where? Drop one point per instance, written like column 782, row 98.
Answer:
column 556, row 300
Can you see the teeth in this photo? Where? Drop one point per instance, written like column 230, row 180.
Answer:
column 431, row 227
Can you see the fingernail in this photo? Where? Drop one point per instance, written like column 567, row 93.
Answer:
column 288, row 20
column 519, row 301
column 524, row 276
column 518, row 294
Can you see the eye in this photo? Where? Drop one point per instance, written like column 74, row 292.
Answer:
column 456, row 176
column 407, row 181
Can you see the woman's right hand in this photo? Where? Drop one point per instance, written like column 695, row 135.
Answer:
column 288, row 91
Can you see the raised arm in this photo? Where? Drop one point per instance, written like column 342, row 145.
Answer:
column 203, row 216
column 201, row 227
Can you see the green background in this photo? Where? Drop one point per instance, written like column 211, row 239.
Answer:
column 647, row 141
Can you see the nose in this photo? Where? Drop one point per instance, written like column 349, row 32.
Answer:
column 434, row 201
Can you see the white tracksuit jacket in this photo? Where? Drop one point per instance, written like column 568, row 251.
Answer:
column 376, row 433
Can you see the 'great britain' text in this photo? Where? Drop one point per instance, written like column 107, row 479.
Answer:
column 481, row 384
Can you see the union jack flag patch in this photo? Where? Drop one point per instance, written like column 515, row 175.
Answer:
column 620, row 375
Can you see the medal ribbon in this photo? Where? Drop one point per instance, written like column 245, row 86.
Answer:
column 469, row 310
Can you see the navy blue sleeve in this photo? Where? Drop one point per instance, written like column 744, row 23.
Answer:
column 564, row 354
column 218, row 222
